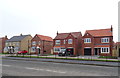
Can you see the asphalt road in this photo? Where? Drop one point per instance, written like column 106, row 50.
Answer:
column 36, row 68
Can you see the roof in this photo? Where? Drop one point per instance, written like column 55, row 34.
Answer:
column 17, row 38
column 65, row 35
column 46, row 38
column 117, row 43
column 100, row 32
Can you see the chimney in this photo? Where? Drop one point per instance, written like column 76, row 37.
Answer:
column 5, row 36
column 21, row 34
column 111, row 28
column 57, row 32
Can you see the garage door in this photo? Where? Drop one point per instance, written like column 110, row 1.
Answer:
column 87, row 51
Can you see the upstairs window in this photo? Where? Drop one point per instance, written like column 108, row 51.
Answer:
column 105, row 50
column 64, row 41
column 34, row 43
column 105, row 40
column 70, row 41
column 87, row 40
column 39, row 42
column 6, row 44
column 17, row 44
column 57, row 41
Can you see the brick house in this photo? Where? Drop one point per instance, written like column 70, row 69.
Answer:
column 69, row 41
column 2, row 43
column 17, row 43
column 98, row 42
column 41, row 44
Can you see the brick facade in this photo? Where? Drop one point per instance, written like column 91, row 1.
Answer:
column 64, row 38
column 96, row 46
column 2, row 43
column 41, row 44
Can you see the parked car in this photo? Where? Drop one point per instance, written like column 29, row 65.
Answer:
column 22, row 52
column 62, row 52
column 65, row 52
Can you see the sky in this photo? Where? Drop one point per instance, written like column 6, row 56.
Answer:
column 46, row 17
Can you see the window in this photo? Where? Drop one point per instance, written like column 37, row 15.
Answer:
column 6, row 43
column 10, row 43
column 39, row 42
column 5, row 49
column 69, row 41
column 87, row 40
column 105, row 40
column 57, row 42
column 105, row 50
column 34, row 43
column 56, row 49
column 33, row 49
column 64, row 41
column 13, row 43
column 16, row 49
column 17, row 44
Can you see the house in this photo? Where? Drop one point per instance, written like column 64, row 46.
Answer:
column 2, row 43
column 98, row 42
column 41, row 44
column 69, row 41
column 17, row 43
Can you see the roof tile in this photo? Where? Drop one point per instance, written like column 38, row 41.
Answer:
column 100, row 32
column 46, row 38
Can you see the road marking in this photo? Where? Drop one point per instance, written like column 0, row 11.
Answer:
column 30, row 68
column 6, row 65
column 41, row 69
column 49, row 70
column 44, row 70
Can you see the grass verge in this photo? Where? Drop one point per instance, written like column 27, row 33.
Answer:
column 68, row 58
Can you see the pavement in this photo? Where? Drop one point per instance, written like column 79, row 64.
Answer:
column 19, row 68
column 96, row 63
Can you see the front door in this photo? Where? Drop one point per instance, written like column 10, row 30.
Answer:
column 97, row 51
column 38, row 50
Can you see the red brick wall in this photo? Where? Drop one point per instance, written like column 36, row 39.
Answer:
column 2, row 41
column 77, row 44
column 96, row 40
column 44, row 45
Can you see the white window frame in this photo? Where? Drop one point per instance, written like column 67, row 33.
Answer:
column 105, row 50
column 16, row 49
column 33, row 42
column 104, row 40
column 70, row 41
column 6, row 43
column 57, row 48
column 33, row 49
column 57, row 41
column 17, row 44
column 87, row 40
column 5, row 49
column 64, row 41
column 39, row 42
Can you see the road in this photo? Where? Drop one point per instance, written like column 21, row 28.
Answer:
column 36, row 68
